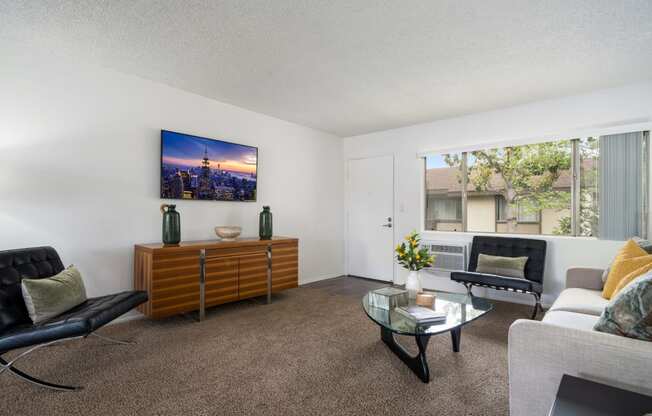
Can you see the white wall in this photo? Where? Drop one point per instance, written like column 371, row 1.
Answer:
column 599, row 112
column 79, row 162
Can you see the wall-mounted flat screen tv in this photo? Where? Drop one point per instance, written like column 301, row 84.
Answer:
column 195, row 167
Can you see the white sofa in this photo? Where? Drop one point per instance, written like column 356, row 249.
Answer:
column 564, row 342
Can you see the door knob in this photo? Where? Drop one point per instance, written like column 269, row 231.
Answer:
column 388, row 225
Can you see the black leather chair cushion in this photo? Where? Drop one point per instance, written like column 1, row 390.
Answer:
column 81, row 320
column 534, row 250
column 498, row 281
column 32, row 263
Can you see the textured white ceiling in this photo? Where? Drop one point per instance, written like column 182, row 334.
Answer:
column 352, row 66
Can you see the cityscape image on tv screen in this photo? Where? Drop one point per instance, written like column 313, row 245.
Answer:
column 199, row 168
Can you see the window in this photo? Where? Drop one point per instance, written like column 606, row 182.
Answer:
column 447, row 209
column 444, row 193
column 594, row 186
column 523, row 215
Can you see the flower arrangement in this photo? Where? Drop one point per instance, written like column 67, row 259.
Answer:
column 411, row 256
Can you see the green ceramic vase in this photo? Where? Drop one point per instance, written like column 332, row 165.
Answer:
column 265, row 224
column 171, row 224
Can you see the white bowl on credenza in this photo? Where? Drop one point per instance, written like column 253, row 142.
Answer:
column 228, row 232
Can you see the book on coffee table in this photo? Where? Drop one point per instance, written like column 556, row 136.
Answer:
column 421, row 315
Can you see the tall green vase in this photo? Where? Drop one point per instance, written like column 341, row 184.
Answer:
column 265, row 224
column 171, row 224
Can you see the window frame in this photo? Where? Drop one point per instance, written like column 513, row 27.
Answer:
column 575, row 187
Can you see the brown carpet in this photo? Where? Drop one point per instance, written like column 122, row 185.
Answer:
column 312, row 352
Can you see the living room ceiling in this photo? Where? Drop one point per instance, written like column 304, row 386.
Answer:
column 351, row 66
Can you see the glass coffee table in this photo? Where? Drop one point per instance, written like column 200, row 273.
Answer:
column 460, row 309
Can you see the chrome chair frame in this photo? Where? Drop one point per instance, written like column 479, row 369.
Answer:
column 9, row 365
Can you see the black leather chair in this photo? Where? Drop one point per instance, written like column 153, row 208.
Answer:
column 17, row 329
column 535, row 250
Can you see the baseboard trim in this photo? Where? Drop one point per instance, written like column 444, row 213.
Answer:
column 135, row 315
column 369, row 279
column 306, row 281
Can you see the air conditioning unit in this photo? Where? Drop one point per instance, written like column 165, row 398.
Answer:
column 449, row 256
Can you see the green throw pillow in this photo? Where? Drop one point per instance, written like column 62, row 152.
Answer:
column 52, row 296
column 502, row 266
column 630, row 312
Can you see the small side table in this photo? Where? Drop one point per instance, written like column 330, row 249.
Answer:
column 580, row 397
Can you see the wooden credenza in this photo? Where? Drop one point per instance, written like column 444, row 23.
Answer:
column 198, row 274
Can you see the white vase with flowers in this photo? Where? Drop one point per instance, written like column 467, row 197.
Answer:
column 412, row 257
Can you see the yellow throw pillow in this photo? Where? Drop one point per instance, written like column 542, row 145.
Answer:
column 629, row 250
column 631, row 277
column 621, row 269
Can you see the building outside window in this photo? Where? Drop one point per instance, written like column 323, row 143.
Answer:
column 556, row 187
column 444, row 193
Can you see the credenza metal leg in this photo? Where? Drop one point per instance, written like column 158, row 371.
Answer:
column 269, row 273
column 202, row 284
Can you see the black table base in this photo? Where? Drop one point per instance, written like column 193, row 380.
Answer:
column 456, row 334
column 418, row 364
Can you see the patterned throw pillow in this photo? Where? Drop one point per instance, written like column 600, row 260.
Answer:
column 630, row 312
column 502, row 266
column 644, row 244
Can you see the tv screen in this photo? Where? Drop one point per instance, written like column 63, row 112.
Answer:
column 199, row 168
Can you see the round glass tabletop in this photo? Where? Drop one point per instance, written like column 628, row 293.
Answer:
column 460, row 309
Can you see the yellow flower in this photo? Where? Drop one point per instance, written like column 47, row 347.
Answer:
column 418, row 257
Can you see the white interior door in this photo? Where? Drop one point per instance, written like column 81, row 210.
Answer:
column 370, row 218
